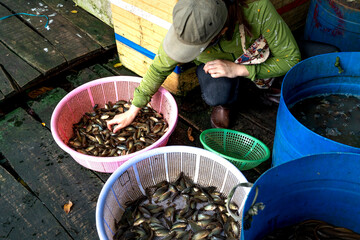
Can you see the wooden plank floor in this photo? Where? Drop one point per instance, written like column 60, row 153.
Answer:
column 34, row 48
column 23, row 214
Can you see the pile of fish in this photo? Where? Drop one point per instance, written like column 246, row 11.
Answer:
column 92, row 137
column 178, row 210
column 313, row 230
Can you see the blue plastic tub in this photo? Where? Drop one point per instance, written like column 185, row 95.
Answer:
column 323, row 187
column 313, row 76
column 332, row 22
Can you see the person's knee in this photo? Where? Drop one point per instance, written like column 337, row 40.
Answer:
column 201, row 75
column 211, row 101
column 216, row 91
column 217, row 97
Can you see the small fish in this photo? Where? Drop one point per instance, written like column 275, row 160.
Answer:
column 90, row 148
column 157, row 209
column 161, row 190
column 162, row 232
column 170, row 236
column 143, row 210
column 169, row 212
column 104, row 117
column 210, row 207
column 157, row 128
column 216, row 231
column 154, row 119
column 164, row 196
column 75, row 144
column 233, row 206
column 99, row 139
column 201, row 235
column 176, row 225
column 203, row 216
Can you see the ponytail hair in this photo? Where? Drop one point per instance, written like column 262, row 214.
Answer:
column 236, row 16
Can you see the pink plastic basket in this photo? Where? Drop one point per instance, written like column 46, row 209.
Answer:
column 82, row 99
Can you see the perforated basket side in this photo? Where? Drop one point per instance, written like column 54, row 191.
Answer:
column 70, row 112
column 241, row 149
column 131, row 179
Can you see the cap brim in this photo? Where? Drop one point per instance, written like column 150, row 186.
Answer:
column 179, row 51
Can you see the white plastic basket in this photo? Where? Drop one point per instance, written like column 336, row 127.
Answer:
column 164, row 163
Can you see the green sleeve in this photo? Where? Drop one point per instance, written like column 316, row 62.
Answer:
column 284, row 52
column 155, row 75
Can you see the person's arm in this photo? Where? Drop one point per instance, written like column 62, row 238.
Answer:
column 284, row 52
column 156, row 74
column 224, row 68
column 161, row 67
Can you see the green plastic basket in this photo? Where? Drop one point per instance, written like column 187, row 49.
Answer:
column 241, row 149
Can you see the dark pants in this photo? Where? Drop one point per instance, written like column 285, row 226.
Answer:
column 224, row 91
column 217, row 91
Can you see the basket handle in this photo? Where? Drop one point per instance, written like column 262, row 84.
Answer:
column 253, row 210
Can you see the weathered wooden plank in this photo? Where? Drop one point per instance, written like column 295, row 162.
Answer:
column 180, row 135
column 2, row 96
column 23, row 216
column 101, row 71
column 17, row 68
column 83, row 76
column 96, row 29
column 44, row 105
column 29, row 45
column 253, row 105
column 88, row 74
column 5, row 85
column 118, row 70
column 68, row 39
column 51, row 173
column 193, row 110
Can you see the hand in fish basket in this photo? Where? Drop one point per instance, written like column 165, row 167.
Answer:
column 92, row 137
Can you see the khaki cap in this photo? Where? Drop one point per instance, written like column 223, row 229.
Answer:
column 195, row 24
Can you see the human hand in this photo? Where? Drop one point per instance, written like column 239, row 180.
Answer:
column 123, row 120
column 224, row 68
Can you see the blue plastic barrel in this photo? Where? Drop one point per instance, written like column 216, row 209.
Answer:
column 332, row 22
column 313, row 76
column 322, row 187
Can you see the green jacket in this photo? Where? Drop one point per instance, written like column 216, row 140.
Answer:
column 264, row 20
